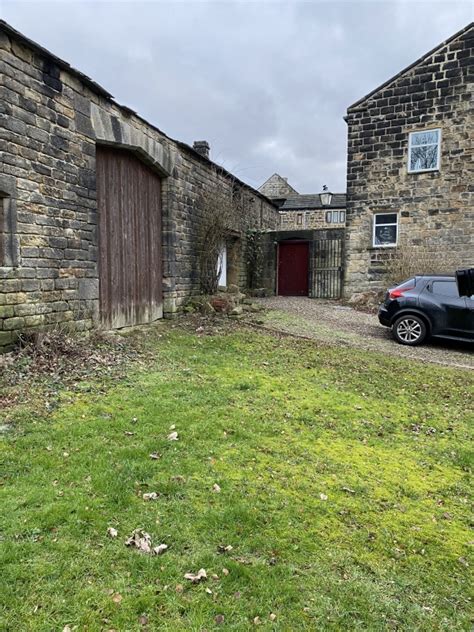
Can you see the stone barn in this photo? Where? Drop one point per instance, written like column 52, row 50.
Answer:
column 99, row 209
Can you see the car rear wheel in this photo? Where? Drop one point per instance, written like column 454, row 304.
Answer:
column 409, row 330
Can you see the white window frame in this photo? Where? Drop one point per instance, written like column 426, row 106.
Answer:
column 335, row 217
column 396, row 223
column 438, row 155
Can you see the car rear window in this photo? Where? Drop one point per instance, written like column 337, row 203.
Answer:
column 406, row 285
column 446, row 288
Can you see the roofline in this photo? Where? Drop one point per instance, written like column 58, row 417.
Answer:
column 98, row 89
column 415, row 63
column 90, row 83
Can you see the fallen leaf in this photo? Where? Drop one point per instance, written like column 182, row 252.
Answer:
column 173, row 436
column 222, row 548
column 173, row 427
column 150, row 496
column 216, row 488
column 128, row 433
column 65, row 454
column 143, row 620
column 178, row 479
column 196, row 578
column 348, row 490
column 225, row 571
column 116, row 597
column 179, row 588
column 209, row 591
column 141, row 540
column 113, row 533
column 219, row 619
column 67, row 628
column 323, row 496
column 272, row 617
column 155, row 456
column 257, row 621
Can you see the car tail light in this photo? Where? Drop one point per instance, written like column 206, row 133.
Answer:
column 399, row 291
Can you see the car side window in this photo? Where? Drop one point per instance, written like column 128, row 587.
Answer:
column 445, row 288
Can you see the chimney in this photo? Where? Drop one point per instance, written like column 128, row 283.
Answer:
column 202, row 147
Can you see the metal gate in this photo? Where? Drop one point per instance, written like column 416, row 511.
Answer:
column 326, row 265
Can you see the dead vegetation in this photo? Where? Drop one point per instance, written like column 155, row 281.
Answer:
column 58, row 358
column 409, row 259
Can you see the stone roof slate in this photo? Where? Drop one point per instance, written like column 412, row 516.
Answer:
column 312, row 201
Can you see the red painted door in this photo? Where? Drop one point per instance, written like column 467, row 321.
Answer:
column 293, row 262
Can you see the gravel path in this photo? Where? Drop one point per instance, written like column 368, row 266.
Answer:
column 332, row 322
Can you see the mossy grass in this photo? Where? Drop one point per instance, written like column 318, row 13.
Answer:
column 344, row 483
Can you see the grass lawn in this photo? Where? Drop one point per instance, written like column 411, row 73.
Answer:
column 344, row 491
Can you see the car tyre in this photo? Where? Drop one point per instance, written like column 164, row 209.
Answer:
column 409, row 330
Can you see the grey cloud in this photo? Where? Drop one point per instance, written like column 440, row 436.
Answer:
column 266, row 83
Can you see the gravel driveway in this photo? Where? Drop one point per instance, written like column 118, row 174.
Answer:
column 332, row 322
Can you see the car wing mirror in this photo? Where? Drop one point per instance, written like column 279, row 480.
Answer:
column 465, row 282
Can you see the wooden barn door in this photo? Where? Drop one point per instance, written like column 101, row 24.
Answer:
column 130, row 253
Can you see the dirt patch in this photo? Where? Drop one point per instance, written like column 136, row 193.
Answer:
column 335, row 323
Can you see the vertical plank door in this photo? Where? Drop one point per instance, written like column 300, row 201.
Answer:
column 130, row 251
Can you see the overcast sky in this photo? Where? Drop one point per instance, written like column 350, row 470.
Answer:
column 265, row 82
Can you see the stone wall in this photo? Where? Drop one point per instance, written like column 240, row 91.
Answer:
column 51, row 118
column 436, row 209
column 309, row 220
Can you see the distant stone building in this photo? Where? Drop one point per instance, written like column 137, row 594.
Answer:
column 305, row 211
column 410, row 169
column 98, row 208
column 309, row 240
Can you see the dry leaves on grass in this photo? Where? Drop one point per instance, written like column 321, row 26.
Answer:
column 216, row 488
column 222, row 548
column 173, row 436
column 150, row 496
column 141, row 540
column 195, row 578
column 112, row 533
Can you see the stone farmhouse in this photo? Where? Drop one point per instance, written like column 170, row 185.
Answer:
column 410, row 168
column 98, row 208
column 309, row 242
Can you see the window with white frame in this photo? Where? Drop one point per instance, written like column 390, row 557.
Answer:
column 424, row 150
column 335, row 217
column 385, row 230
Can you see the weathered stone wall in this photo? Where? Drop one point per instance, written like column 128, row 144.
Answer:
column 436, row 209
column 308, row 220
column 277, row 187
column 50, row 122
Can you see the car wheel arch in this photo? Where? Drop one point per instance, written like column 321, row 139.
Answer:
column 414, row 312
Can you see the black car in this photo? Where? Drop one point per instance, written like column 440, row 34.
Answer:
column 427, row 306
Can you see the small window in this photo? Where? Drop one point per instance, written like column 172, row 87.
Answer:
column 299, row 219
column 385, row 229
column 424, row 150
column 446, row 288
column 335, row 217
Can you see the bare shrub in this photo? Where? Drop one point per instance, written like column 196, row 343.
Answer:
column 223, row 208
column 408, row 259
